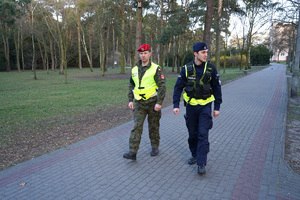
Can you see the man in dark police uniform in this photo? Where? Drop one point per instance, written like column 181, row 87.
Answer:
column 202, row 86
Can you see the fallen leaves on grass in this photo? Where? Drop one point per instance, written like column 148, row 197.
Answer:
column 23, row 184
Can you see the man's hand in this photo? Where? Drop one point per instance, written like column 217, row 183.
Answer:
column 176, row 111
column 130, row 105
column 216, row 113
column 157, row 107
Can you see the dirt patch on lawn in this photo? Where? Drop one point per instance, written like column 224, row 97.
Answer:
column 29, row 145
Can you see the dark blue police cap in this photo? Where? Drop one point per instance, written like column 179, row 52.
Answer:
column 199, row 46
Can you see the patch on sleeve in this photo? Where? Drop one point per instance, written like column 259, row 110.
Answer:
column 219, row 80
column 162, row 76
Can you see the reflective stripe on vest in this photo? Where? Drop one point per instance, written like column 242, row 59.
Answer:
column 194, row 75
column 195, row 102
column 145, row 88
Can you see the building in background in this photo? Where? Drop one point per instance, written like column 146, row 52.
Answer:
column 282, row 40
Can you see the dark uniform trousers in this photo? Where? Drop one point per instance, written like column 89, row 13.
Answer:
column 141, row 110
column 199, row 121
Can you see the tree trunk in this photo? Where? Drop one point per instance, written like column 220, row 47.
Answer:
column 123, row 39
column 160, row 52
column 6, row 52
column 106, row 48
column 225, row 52
column 173, row 57
column 295, row 76
column 139, row 24
column 86, row 51
column 61, row 66
column 55, row 58
column 61, row 45
column 294, row 49
column 114, row 49
column 177, row 45
column 100, row 44
column 65, row 63
column 132, row 44
column 33, row 58
column 102, row 53
column 17, row 47
column 242, row 49
column 46, row 54
column 78, row 38
column 157, row 51
column 41, row 52
column 249, row 38
column 208, row 21
column 65, row 54
column 33, row 47
column 90, row 46
column 290, row 50
column 22, row 48
column 51, row 53
column 218, row 35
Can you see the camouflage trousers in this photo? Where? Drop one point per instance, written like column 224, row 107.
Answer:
column 141, row 110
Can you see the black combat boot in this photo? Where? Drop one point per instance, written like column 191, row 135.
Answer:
column 192, row 160
column 201, row 169
column 130, row 155
column 154, row 152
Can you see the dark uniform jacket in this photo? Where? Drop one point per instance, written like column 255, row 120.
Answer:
column 159, row 80
column 215, row 84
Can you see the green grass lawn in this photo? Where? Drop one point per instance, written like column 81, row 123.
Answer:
column 35, row 105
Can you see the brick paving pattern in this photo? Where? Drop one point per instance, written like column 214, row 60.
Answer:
column 246, row 159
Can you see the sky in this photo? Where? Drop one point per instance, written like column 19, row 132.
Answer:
column 236, row 25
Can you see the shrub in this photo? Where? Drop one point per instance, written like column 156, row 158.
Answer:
column 231, row 61
column 260, row 55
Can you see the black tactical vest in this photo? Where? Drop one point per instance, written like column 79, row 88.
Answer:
column 198, row 87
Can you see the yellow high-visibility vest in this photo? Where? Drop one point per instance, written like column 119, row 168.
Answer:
column 145, row 88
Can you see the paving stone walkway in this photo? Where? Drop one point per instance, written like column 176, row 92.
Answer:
column 246, row 159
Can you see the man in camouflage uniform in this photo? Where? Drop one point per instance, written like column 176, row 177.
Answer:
column 146, row 93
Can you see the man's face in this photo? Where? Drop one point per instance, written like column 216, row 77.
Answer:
column 201, row 55
column 145, row 56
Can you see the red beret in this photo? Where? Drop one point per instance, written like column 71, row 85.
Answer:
column 144, row 47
